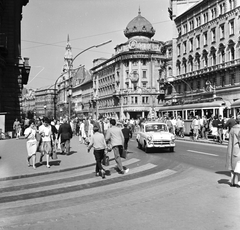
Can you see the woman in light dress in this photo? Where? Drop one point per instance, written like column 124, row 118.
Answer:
column 30, row 135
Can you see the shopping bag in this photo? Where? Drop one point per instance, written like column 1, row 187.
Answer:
column 105, row 160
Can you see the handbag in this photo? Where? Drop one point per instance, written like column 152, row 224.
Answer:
column 109, row 147
column 237, row 168
column 105, row 160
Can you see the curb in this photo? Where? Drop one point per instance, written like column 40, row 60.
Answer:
column 46, row 173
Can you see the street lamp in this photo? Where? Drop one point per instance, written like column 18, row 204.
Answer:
column 70, row 69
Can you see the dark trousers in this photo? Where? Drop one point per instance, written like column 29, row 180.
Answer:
column 65, row 146
column 99, row 154
column 126, row 143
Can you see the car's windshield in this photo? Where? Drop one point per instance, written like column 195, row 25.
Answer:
column 155, row 128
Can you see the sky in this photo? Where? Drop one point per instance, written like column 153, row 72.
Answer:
column 46, row 25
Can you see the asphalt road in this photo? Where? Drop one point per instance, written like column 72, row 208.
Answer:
column 187, row 189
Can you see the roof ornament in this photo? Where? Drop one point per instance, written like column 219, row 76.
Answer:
column 139, row 11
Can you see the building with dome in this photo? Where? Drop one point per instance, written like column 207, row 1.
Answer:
column 128, row 85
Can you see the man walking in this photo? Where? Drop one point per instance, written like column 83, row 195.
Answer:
column 127, row 135
column 115, row 136
column 66, row 133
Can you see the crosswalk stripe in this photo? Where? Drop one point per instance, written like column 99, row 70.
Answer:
column 60, row 175
column 86, row 192
column 74, row 183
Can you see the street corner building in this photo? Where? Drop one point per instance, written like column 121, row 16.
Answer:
column 14, row 70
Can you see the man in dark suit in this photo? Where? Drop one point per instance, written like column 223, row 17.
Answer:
column 127, row 135
column 65, row 133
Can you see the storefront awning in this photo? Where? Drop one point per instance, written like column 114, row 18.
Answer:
column 195, row 106
column 235, row 104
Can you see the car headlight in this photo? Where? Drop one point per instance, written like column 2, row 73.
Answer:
column 149, row 138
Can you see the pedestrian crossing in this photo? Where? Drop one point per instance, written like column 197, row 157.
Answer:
column 50, row 192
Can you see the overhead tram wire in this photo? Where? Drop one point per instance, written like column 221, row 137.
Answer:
column 94, row 35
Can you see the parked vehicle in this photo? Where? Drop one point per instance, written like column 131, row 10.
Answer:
column 155, row 135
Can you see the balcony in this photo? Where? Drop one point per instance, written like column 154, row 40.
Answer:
column 210, row 69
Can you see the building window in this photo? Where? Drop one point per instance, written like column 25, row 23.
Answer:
column 198, row 21
column 232, row 79
column 144, row 62
column 184, row 47
column 191, row 44
column 198, row 41
column 231, row 4
column 222, row 8
column 231, row 27
column 232, row 53
column 145, row 100
column 205, row 39
column 185, row 28
column 223, row 81
column 213, row 35
column 205, row 17
column 179, row 49
column 127, row 85
column 198, row 85
column 136, row 100
column 191, row 25
column 144, row 85
column 222, row 31
column 132, row 100
column 179, row 31
column 144, row 74
column 214, row 12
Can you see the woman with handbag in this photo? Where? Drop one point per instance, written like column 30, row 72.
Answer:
column 30, row 135
column 98, row 142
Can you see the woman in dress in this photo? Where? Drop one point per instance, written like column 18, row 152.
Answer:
column 30, row 134
column 233, row 153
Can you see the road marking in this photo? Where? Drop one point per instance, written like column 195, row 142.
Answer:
column 74, row 183
column 209, row 154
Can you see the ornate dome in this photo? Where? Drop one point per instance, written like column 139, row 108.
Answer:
column 139, row 26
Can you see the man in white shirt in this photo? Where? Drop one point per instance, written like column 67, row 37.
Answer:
column 45, row 131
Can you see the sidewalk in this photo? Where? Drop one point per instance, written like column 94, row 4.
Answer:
column 13, row 164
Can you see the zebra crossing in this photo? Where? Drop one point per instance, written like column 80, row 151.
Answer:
column 65, row 189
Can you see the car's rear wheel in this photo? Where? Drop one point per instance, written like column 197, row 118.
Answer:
column 171, row 149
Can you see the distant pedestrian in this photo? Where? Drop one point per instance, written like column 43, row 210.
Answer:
column 127, row 135
column 230, row 122
column 97, row 141
column 233, row 152
column 30, row 135
column 65, row 133
column 220, row 125
column 196, row 127
column 45, row 131
column 115, row 136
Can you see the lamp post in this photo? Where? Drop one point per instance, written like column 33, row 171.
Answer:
column 70, row 63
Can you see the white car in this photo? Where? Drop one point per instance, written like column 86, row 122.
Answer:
column 155, row 135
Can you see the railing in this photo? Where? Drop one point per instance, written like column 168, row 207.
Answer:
column 208, row 69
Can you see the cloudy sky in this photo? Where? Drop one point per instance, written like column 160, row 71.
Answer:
column 47, row 23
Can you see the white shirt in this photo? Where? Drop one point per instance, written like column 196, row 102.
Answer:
column 32, row 134
column 46, row 132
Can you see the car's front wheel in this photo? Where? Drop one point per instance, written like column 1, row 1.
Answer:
column 146, row 149
column 139, row 145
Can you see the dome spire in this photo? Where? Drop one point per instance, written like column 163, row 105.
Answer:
column 139, row 11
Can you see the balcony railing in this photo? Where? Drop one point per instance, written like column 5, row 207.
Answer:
column 209, row 69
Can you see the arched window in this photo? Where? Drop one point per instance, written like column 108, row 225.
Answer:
column 221, row 51
column 213, row 55
column 190, row 61
column 197, row 60
column 205, row 58
column 184, row 63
